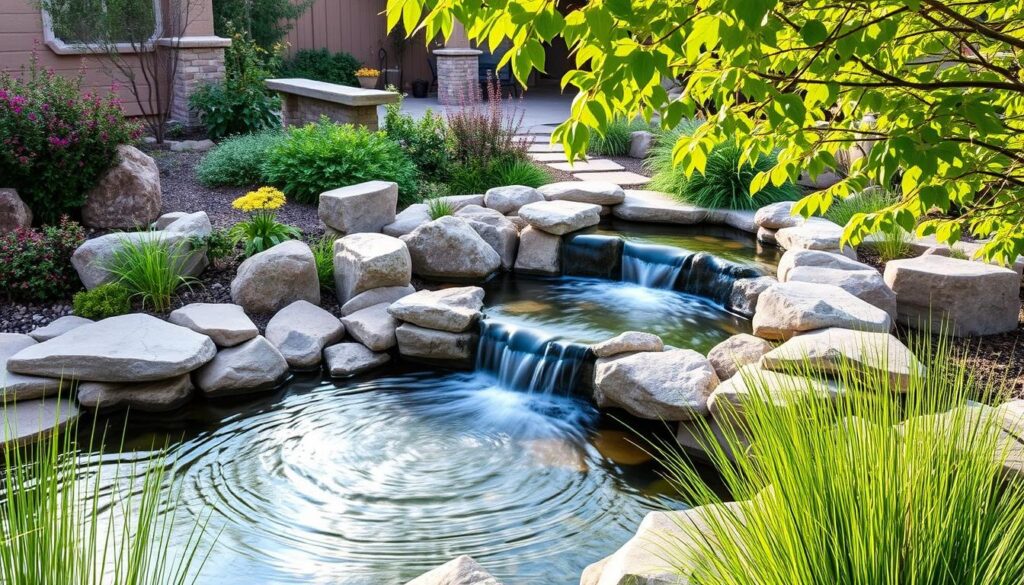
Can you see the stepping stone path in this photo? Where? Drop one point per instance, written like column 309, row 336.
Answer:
column 585, row 166
column 623, row 178
column 590, row 169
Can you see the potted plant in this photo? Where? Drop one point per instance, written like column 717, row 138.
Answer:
column 367, row 77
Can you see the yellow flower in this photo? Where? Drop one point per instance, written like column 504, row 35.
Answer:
column 367, row 72
column 260, row 199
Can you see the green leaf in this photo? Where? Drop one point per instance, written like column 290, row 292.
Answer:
column 813, row 32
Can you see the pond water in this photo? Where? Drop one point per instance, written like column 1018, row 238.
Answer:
column 377, row 481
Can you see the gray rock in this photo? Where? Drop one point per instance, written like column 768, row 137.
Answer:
column 94, row 257
column 366, row 207
column 866, row 285
column 461, row 201
column 408, row 220
column 28, row 420
column 156, row 396
column 867, row 353
column 18, row 386
column 226, row 324
column 595, row 192
column 741, row 219
column 127, row 195
column 449, row 247
column 815, row 234
column 459, row 571
column 788, row 308
column 167, row 219
column 560, row 217
column 657, row 207
column 127, row 348
column 727, row 401
column 301, row 331
column 737, row 351
column 190, row 225
column 349, row 359
column 430, row 344
column 495, row 229
column 253, row 366
column 276, row 278
column 449, row 309
column 373, row 326
column 375, row 296
column 539, row 252
column 767, row 236
column 968, row 298
column 508, row 200
column 628, row 342
column 745, row 291
column 59, row 327
column 640, row 143
column 192, row 145
column 367, row 261
column 777, row 216
column 794, row 258
column 14, row 213
column 670, row 385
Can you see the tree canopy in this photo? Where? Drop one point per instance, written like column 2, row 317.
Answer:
column 934, row 87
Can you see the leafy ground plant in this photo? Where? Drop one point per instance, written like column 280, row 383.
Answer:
column 238, row 161
column 152, row 269
column 106, row 300
column 64, row 526
column 262, row 231
column 886, row 483
column 323, row 253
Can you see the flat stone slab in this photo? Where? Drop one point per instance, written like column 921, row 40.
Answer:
column 817, row 258
column 726, row 402
column 622, row 178
column 788, row 308
column 560, row 217
column 225, row 323
column 509, row 199
column 375, row 296
column 27, row 421
column 419, row 342
column 595, row 192
column 157, row 396
column 407, row 220
column 448, row 309
column 349, row 359
column 549, row 157
column 866, row 285
column 657, row 207
column 814, row 234
column 332, row 92
column 365, row 207
column 586, row 166
column 669, row 385
column 373, row 326
column 545, row 147
column 128, row 348
column 628, row 342
column 19, row 386
column 59, row 327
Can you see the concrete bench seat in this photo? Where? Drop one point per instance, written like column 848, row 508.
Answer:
column 306, row 100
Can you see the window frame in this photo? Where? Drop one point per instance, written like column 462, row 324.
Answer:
column 62, row 47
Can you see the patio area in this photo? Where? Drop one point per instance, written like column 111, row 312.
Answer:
column 542, row 107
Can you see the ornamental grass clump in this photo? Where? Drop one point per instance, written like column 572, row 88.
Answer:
column 323, row 254
column 615, row 141
column 884, row 483
column 262, row 231
column 152, row 269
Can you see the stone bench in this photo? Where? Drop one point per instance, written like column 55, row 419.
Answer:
column 306, row 100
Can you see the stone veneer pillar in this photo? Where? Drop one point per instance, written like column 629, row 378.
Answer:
column 200, row 60
column 458, row 76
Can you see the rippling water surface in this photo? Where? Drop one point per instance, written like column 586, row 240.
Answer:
column 375, row 482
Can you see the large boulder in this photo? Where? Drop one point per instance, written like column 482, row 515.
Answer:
column 156, row 396
column 225, row 323
column 127, row 348
column 127, row 195
column 640, row 143
column 449, row 247
column 815, row 234
column 539, row 252
column 191, row 225
column 560, row 217
column 737, row 351
column 776, row 216
column 59, row 327
column 595, row 192
column 366, row 207
column 93, row 259
column 866, row 285
column 657, row 207
column 818, row 259
column 429, row 344
column 788, row 308
column 375, row 296
column 745, row 292
column 14, row 213
column 19, row 386
column 458, row 571
column 830, row 350
column 349, row 359
column 508, row 200
column 408, row 220
column 447, row 309
column 301, row 331
column 669, row 385
column 628, row 342
column 495, row 229
column 969, row 298
column 373, row 326
column 253, row 366
column 367, row 261
column 276, row 278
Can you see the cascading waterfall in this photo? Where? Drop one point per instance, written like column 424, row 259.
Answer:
column 527, row 360
column 653, row 266
column 712, row 278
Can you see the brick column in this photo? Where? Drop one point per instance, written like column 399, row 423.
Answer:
column 200, row 60
column 458, row 76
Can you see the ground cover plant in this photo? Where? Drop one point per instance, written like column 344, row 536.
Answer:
column 875, row 486
column 106, row 300
column 238, row 161
column 35, row 264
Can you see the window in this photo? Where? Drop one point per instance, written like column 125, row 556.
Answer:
column 81, row 26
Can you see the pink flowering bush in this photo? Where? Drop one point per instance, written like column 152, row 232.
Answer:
column 55, row 140
column 35, row 264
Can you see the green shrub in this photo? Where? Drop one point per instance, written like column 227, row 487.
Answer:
column 615, row 141
column 323, row 253
column 35, row 264
column 151, row 269
column 723, row 185
column 439, row 207
column 240, row 104
column 322, row 65
column 219, row 245
column 871, row 488
column 518, row 172
column 324, row 156
column 483, row 133
column 425, row 141
column 238, row 161
column 106, row 300
column 870, row 201
column 266, row 21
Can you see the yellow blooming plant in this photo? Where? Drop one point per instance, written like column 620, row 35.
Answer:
column 262, row 230
column 367, row 72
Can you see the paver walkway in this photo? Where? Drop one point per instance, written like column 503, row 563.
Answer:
column 591, row 169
